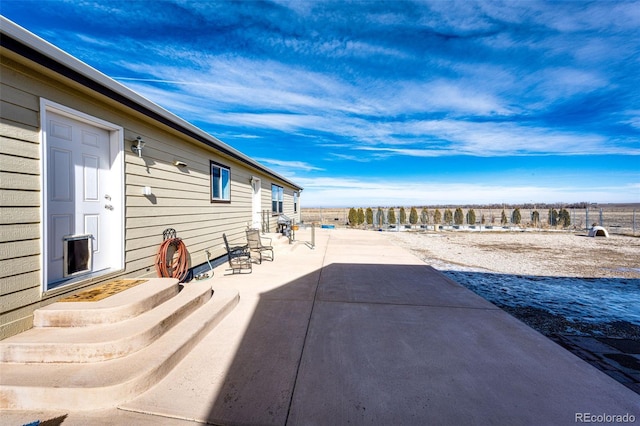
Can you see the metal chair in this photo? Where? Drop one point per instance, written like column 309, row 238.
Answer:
column 239, row 256
column 254, row 242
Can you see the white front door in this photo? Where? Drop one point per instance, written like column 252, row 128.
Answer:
column 81, row 193
column 256, row 203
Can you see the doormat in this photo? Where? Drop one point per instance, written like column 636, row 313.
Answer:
column 102, row 291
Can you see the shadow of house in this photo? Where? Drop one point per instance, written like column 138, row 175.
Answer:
column 399, row 344
column 576, row 304
column 591, row 317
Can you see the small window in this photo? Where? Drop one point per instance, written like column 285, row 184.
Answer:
column 220, row 183
column 277, row 198
column 295, row 202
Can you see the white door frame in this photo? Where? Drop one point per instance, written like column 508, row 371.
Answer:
column 116, row 153
column 256, row 202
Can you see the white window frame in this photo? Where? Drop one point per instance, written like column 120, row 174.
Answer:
column 277, row 199
column 218, row 183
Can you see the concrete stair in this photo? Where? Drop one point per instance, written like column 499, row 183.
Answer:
column 84, row 363
column 113, row 309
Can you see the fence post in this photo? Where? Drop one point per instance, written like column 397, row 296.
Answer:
column 586, row 221
column 601, row 217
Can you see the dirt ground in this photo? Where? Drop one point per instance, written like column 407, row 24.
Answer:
column 530, row 253
column 533, row 256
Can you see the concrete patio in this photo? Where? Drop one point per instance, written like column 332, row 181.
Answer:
column 359, row 331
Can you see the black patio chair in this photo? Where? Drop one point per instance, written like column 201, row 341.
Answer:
column 239, row 257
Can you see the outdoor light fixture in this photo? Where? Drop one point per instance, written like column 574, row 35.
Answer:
column 179, row 163
column 138, row 147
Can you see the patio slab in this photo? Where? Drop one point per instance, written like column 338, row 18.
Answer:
column 394, row 285
column 378, row 363
column 358, row 331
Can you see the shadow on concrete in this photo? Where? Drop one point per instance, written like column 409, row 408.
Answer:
column 259, row 384
column 552, row 305
column 400, row 344
column 591, row 317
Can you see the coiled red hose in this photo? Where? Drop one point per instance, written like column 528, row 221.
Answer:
column 172, row 265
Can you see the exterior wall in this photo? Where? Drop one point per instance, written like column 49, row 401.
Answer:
column 288, row 208
column 288, row 205
column 180, row 195
column 19, row 206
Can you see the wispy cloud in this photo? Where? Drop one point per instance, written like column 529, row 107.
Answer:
column 337, row 89
column 289, row 165
column 372, row 116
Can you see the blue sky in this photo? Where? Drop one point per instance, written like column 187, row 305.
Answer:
column 386, row 103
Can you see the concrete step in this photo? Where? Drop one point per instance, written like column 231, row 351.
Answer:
column 116, row 308
column 94, row 343
column 101, row 385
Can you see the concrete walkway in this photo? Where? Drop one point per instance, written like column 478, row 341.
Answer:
column 359, row 331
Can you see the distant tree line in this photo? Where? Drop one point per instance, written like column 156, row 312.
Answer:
column 526, row 206
column 379, row 216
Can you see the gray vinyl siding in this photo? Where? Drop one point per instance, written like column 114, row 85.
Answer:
column 19, row 206
column 180, row 200
column 288, row 205
column 180, row 195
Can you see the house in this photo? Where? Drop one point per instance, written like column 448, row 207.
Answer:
column 91, row 174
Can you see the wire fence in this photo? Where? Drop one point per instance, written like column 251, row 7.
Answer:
column 617, row 220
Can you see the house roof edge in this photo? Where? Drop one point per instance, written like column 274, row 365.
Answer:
column 27, row 44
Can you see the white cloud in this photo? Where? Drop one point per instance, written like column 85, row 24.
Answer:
column 631, row 117
column 369, row 81
column 289, row 165
column 403, row 137
column 452, row 137
column 560, row 82
column 496, row 70
column 240, row 136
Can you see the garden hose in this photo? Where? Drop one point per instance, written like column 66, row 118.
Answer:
column 173, row 265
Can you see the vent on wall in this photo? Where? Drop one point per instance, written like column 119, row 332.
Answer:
column 77, row 254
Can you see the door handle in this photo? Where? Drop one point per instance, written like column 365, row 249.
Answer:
column 108, row 207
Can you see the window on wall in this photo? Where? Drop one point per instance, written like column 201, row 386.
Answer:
column 277, row 198
column 220, row 183
column 295, row 202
